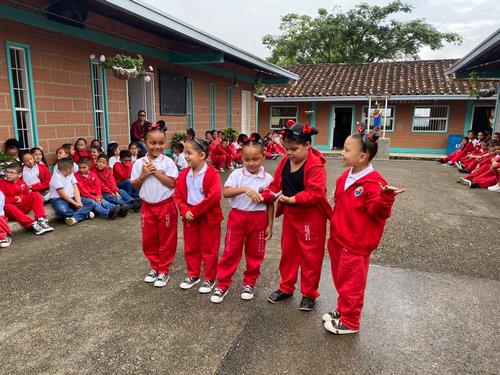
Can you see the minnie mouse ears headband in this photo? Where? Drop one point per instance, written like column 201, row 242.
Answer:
column 372, row 136
column 306, row 130
column 160, row 125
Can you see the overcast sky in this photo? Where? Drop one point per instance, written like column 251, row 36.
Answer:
column 243, row 23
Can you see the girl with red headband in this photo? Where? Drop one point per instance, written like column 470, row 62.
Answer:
column 362, row 203
column 299, row 185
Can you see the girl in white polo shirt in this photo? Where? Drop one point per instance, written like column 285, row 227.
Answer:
column 250, row 222
column 154, row 177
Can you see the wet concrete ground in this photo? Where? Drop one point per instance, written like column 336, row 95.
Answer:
column 74, row 301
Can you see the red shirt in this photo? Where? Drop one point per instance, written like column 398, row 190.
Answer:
column 89, row 186
column 12, row 190
column 218, row 150
column 122, row 171
column 44, row 177
column 360, row 212
column 210, row 206
column 108, row 183
column 137, row 131
column 80, row 154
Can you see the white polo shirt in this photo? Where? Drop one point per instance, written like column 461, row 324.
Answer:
column 180, row 161
column 240, row 178
column 30, row 175
column 2, row 204
column 152, row 190
column 75, row 168
column 195, row 186
column 58, row 181
column 353, row 177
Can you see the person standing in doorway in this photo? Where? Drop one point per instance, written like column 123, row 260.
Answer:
column 137, row 131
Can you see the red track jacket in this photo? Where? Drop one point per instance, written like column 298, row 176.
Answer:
column 108, row 183
column 12, row 190
column 90, row 186
column 44, row 177
column 122, row 171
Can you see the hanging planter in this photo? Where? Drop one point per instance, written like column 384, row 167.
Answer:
column 259, row 97
column 123, row 73
column 258, row 91
column 125, row 67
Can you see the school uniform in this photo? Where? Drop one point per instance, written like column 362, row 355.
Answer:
column 80, row 154
column 158, row 214
column 90, row 187
column 113, row 160
column 304, row 224
column 229, row 156
column 488, row 177
column 63, row 208
column 56, row 168
column 357, row 225
column 122, row 173
column 246, row 226
column 109, row 188
column 180, row 161
column 38, row 178
column 483, row 167
column 458, row 154
column 30, row 201
column 218, row 156
column 200, row 194
column 4, row 225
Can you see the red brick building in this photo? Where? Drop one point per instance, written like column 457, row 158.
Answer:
column 51, row 92
column 424, row 107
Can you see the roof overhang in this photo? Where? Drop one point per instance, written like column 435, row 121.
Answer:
column 363, row 98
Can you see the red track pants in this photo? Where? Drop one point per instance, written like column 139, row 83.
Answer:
column 159, row 233
column 349, row 272
column 302, row 245
column 243, row 229
column 219, row 161
column 4, row 228
column 486, row 179
column 17, row 212
column 201, row 245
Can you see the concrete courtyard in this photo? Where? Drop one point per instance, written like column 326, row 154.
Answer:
column 74, row 301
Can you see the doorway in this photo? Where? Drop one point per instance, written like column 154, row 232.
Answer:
column 482, row 118
column 246, row 108
column 342, row 126
column 141, row 96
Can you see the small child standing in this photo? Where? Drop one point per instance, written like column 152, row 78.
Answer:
column 154, row 176
column 36, row 175
column 5, row 232
column 249, row 225
column 20, row 200
column 180, row 157
column 362, row 203
column 198, row 196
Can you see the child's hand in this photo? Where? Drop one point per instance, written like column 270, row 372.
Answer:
column 189, row 216
column 269, row 232
column 391, row 189
column 18, row 199
column 148, row 168
column 286, row 200
column 253, row 195
column 78, row 204
column 117, row 194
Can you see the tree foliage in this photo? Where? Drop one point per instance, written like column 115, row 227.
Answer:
column 362, row 34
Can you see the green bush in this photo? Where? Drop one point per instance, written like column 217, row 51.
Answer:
column 5, row 160
column 230, row 132
column 177, row 137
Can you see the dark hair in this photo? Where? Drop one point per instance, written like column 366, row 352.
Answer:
column 141, row 111
column 22, row 154
column 67, row 147
column 102, row 156
column 16, row 165
column 256, row 136
column 125, row 154
column 213, row 132
column 65, row 163
column 34, row 149
column 200, row 145
column 160, row 126
column 497, row 134
column 471, row 131
column 241, row 138
column 224, row 140
column 96, row 148
column 85, row 161
column 465, row 138
column 62, row 148
column 179, row 146
column 94, row 141
column 190, row 131
column 252, row 143
column 12, row 143
column 208, row 132
column 112, row 148
column 80, row 139
column 296, row 134
column 368, row 142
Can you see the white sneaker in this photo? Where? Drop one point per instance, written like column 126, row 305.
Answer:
column 247, row 293
column 189, row 282
column 91, row 215
column 494, row 188
column 70, row 221
column 151, row 276
column 465, row 182
column 44, row 223
column 218, row 295
column 328, row 317
column 207, row 286
column 161, row 280
column 338, row 328
column 5, row 242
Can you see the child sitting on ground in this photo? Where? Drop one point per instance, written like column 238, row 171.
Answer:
column 113, row 154
column 122, row 172
column 65, row 195
column 12, row 148
column 95, row 151
column 39, row 156
column 134, row 151
column 179, row 157
column 5, row 232
column 64, row 153
column 80, row 150
column 20, row 200
column 36, row 176
column 90, row 187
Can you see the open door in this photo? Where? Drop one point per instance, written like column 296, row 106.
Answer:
column 342, row 122
column 246, row 108
column 141, row 96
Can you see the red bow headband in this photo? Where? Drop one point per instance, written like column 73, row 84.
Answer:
column 306, row 130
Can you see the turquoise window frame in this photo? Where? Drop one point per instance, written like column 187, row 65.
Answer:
column 430, row 131
column 229, row 107
column 393, row 106
column 331, row 124
column 31, row 92
column 212, row 107
column 190, row 103
column 104, row 99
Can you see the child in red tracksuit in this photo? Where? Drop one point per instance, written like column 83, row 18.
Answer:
column 19, row 200
column 362, row 203
column 36, row 175
column 218, row 156
column 198, row 196
column 5, row 232
column 154, row 176
column 80, row 150
column 300, row 184
column 229, row 154
column 250, row 223
column 466, row 148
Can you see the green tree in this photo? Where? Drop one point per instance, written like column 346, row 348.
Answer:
column 362, row 34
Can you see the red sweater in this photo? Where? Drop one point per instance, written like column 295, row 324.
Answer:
column 108, row 183
column 12, row 190
column 122, row 171
column 218, row 150
column 89, row 186
column 211, row 205
column 360, row 212
column 80, row 154
column 44, row 177
column 314, row 192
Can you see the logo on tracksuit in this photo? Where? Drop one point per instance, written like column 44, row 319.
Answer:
column 358, row 191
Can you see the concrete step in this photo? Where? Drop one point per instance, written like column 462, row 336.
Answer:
column 51, row 216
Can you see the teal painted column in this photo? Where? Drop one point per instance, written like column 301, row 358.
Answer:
column 496, row 117
column 468, row 116
column 314, row 107
column 256, row 116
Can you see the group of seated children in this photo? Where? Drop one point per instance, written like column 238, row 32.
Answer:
column 479, row 159
column 82, row 183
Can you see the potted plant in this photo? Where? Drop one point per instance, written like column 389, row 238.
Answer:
column 258, row 91
column 178, row 137
column 5, row 160
column 124, row 67
column 230, row 133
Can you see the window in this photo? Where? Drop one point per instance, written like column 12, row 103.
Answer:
column 21, row 90
column 229, row 107
column 430, row 119
column 389, row 126
column 212, row 119
column 190, row 104
column 173, row 89
column 99, row 102
column 281, row 114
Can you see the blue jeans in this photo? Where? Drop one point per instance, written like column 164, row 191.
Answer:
column 103, row 207
column 126, row 199
column 64, row 209
column 127, row 186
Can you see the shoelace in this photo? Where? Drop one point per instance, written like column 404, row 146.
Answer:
column 248, row 289
column 152, row 273
column 207, row 284
column 218, row 293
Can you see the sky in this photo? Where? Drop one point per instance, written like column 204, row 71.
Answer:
column 244, row 23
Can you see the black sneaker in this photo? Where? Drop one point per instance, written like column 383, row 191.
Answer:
column 123, row 210
column 37, row 228
column 113, row 213
column 44, row 223
column 218, row 295
column 338, row 328
column 473, row 185
column 462, row 170
column 307, row 304
column 207, row 286
column 278, row 296
column 151, row 276
column 332, row 315
column 189, row 282
column 136, row 206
